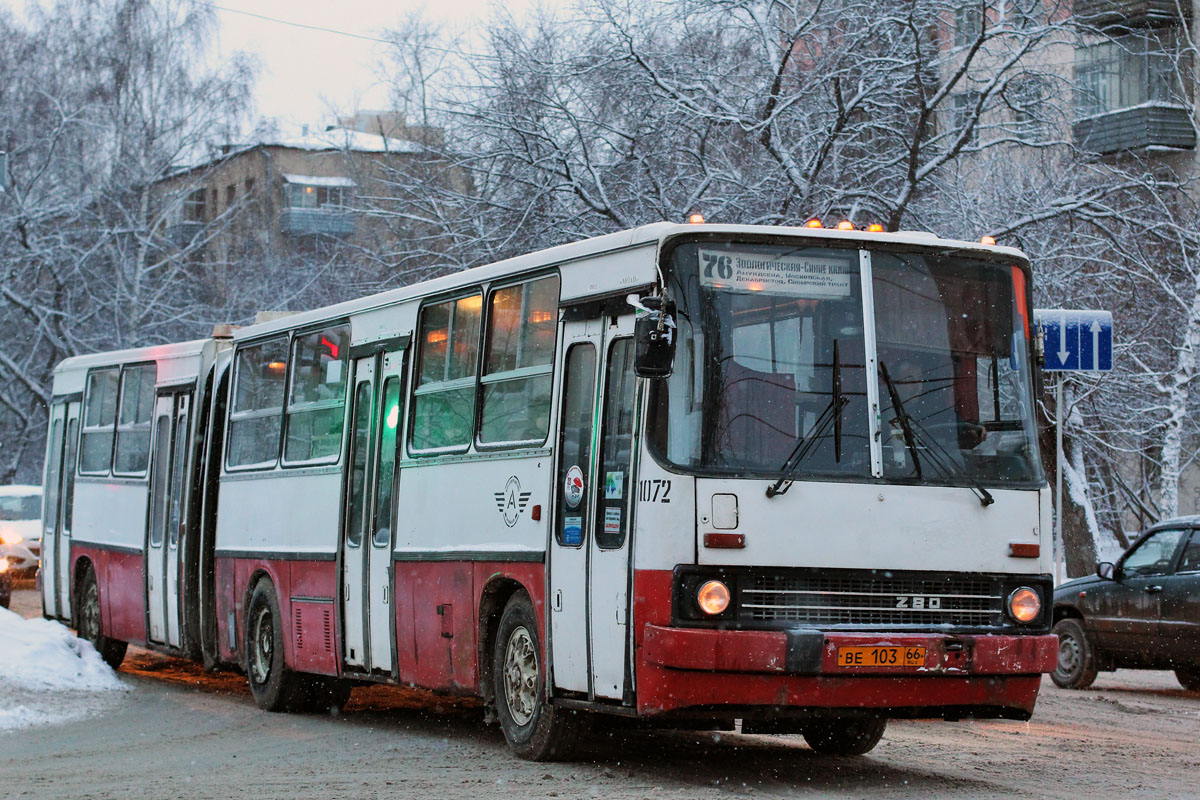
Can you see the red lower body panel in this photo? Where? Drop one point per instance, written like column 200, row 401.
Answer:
column 121, row 580
column 682, row 668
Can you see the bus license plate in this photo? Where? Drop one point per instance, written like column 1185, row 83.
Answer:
column 881, row 657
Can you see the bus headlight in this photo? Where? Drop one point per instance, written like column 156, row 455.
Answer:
column 11, row 538
column 1024, row 605
column 713, row 597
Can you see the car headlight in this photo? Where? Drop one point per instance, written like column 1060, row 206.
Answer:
column 713, row 597
column 1024, row 604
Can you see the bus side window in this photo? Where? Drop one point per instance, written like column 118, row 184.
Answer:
column 518, row 372
column 256, row 418
column 616, row 446
column 133, row 423
column 575, row 443
column 100, row 417
column 444, row 396
column 316, row 410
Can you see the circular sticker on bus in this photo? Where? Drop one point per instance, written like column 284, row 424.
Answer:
column 573, row 486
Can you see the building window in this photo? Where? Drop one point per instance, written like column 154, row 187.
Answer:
column 307, row 196
column 1124, row 72
column 194, row 207
column 522, row 321
column 230, row 194
column 964, row 110
column 444, row 397
column 1025, row 97
column 968, row 19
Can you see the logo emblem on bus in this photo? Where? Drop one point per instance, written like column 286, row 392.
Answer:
column 512, row 501
column 573, row 487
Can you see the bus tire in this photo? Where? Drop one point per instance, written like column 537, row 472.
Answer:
column 274, row 686
column 846, row 736
column 1076, row 667
column 1189, row 679
column 534, row 729
column 87, row 620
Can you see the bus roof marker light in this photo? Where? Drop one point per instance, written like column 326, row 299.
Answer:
column 695, row 219
column 845, row 225
column 875, row 227
column 815, row 222
column 987, row 240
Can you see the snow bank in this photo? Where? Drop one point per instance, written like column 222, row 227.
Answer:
column 39, row 654
column 46, row 672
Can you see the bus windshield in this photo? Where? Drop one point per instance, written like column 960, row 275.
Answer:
column 772, row 365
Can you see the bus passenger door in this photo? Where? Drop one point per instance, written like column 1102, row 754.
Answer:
column 612, row 493
column 59, row 491
column 168, row 487
column 380, row 610
column 358, row 467
column 582, row 341
column 367, row 591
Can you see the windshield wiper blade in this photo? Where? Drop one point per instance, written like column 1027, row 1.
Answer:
column 831, row 413
column 912, row 439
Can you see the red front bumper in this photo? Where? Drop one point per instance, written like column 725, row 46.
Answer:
column 698, row 669
column 769, row 652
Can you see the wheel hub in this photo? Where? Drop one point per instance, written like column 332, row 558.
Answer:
column 520, row 676
column 1068, row 654
column 264, row 643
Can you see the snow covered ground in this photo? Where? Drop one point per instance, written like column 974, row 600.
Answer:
column 48, row 675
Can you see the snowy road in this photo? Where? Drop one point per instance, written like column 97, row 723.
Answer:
column 183, row 733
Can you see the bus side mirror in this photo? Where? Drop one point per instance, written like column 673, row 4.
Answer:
column 654, row 339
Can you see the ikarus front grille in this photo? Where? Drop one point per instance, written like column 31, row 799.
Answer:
column 863, row 602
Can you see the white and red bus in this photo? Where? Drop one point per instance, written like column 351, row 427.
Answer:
column 696, row 473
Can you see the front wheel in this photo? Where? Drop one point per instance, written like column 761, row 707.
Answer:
column 844, row 737
column 87, row 621
column 1189, row 679
column 1076, row 667
column 534, row 729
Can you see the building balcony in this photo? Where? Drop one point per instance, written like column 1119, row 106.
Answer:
column 1150, row 125
column 1130, row 13
column 181, row 234
column 317, row 222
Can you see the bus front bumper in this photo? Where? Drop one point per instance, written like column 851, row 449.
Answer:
column 948, row 676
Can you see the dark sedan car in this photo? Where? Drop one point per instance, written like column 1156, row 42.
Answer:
column 1142, row 612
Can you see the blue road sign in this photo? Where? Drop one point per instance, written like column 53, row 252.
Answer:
column 1078, row 341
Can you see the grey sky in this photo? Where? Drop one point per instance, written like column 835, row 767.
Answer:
column 306, row 73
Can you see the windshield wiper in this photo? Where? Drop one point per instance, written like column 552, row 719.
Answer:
column 912, row 439
column 832, row 413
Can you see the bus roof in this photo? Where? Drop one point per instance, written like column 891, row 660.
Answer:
column 70, row 372
column 645, row 235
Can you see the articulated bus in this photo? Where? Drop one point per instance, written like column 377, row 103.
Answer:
column 707, row 475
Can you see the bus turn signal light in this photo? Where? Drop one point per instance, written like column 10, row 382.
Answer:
column 713, row 597
column 1024, row 604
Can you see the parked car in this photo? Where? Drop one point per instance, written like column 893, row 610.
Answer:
column 1142, row 612
column 5, row 583
column 21, row 526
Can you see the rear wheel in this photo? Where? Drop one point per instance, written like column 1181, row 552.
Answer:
column 87, row 620
column 1189, row 679
column 844, row 737
column 534, row 729
column 1076, row 667
column 274, row 686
